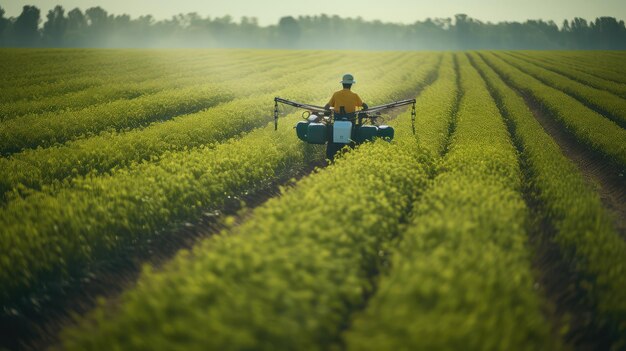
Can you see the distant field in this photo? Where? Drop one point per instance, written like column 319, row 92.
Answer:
column 500, row 224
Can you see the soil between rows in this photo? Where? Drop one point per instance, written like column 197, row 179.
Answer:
column 607, row 179
column 545, row 65
column 559, row 279
column 596, row 108
column 40, row 327
column 572, row 316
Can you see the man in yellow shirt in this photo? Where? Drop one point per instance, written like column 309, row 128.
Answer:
column 343, row 102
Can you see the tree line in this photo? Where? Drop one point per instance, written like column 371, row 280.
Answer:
column 95, row 27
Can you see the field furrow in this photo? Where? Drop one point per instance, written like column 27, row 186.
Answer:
column 126, row 86
column 590, row 63
column 34, row 131
column 55, row 82
column 580, row 76
column 148, row 203
column 307, row 279
column 87, row 76
column 462, row 269
column 78, row 226
column 576, row 222
column 437, row 108
column 32, row 169
column 609, row 105
column 199, row 93
column 587, row 126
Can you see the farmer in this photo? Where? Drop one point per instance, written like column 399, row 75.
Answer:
column 343, row 102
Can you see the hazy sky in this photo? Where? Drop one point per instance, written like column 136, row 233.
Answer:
column 404, row 11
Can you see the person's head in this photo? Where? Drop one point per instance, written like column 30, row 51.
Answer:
column 347, row 81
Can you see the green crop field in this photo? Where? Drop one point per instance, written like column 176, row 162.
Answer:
column 156, row 178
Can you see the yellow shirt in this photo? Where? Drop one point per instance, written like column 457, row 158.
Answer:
column 346, row 99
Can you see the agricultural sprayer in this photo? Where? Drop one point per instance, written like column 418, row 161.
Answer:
column 322, row 126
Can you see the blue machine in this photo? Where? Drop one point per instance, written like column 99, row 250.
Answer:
column 321, row 126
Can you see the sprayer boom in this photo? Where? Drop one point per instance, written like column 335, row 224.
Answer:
column 368, row 113
column 312, row 108
column 390, row 105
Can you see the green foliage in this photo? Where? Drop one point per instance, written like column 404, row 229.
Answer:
column 460, row 277
column 45, row 74
column 43, row 166
column 286, row 279
column 56, row 233
column 191, row 93
column 584, row 230
column 609, row 104
column 128, row 81
column 434, row 108
column 420, row 243
column 572, row 72
column 604, row 64
column 589, row 127
column 100, row 215
column 35, row 130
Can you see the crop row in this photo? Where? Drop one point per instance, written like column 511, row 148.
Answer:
column 291, row 276
column 436, row 106
column 273, row 283
column 35, row 168
column 589, row 127
column 609, row 59
column 590, row 62
column 125, row 85
column 52, row 67
column 101, row 216
column 37, row 86
column 460, row 277
column 583, row 229
column 575, row 74
column 193, row 95
column 39, row 70
column 145, row 81
column 41, row 64
column 434, row 109
column 610, row 105
column 86, row 76
column 45, row 130
column 34, row 131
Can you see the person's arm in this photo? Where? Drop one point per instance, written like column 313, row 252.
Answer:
column 360, row 103
column 330, row 103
